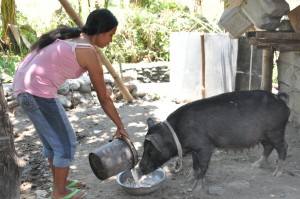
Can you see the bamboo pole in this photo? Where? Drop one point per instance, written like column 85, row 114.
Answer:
column 69, row 9
column 267, row 69
column 71, row 12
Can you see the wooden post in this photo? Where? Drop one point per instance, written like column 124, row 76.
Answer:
column 69, row 9
column 203, row 65
column 10, row 170
column 267, row 69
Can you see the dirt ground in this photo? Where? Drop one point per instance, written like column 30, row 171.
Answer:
column 230, row 175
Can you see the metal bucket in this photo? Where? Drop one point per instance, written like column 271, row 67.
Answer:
column 113, row 158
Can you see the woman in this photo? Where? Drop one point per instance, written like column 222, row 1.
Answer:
column 64, row 53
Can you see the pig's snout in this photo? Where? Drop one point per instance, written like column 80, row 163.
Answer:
column 142, row 170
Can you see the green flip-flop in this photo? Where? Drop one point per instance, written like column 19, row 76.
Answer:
column 74, row 193
column 71, row 185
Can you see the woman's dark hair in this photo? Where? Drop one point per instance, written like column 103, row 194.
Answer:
column 98, row 21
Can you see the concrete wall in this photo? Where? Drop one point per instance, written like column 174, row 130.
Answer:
column 249, row 66
column 289, row 82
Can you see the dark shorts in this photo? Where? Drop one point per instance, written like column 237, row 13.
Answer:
column 53, row 127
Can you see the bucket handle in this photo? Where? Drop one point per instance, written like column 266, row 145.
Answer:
column 134, row 152
column 128, row 141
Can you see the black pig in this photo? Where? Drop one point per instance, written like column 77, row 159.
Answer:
column 232, row 120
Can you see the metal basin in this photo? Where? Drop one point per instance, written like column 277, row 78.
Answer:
column 148, row 183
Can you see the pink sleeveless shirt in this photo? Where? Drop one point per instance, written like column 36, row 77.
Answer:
column 42, row 73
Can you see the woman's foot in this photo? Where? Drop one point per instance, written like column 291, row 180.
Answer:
column 70, row 194
column 75, row 184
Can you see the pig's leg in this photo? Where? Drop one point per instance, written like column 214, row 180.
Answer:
column 196, row 170
column 201, row 160
column 268, row 148
column 282, row 151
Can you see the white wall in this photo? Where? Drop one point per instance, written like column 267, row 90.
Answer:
column 186, row 65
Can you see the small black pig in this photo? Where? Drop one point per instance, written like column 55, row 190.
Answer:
column 232, row 120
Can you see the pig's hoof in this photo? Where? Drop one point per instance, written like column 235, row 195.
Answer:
column 259, row 163
column 197, row 185
column 277, row 174
column 278, row 171
column 191, row 176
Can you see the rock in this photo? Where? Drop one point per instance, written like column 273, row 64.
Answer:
column 129, row 75
column 86, row 79
column 85, row 88
column 87, row 97
column 85, row 84
column 216, row 191
column 64, row 88
column 12, row 104
column 75, row 98
column 64, row 101
column 41, row 194
column 74, row 84
column 238, row 185
column 109, row 89
column 109, row 79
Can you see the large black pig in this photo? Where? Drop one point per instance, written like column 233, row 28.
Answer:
column 232, row 120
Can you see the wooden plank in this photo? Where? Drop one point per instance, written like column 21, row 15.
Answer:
column 285, row 47
column 279, row 35
column 275, row 35
column 4, row 143
column 257, row 41
column 251, row 34
column 3, row 138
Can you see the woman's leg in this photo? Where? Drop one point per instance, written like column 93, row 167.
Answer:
column 57, row 136
column 77, row 184
column 59, row 182
column 50, row 160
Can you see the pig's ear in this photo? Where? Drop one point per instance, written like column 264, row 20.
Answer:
column 150, row 122
column 155, row 139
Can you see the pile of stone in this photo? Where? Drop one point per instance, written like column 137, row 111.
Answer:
column 76, row 91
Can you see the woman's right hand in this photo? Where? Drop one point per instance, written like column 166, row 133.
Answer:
column 121, row 132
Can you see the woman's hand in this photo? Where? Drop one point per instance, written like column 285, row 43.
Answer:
column 121, row 132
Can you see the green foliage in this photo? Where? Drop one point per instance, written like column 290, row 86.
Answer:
column 156, row 6
column 8, row 63
column 61, row 18
column 145, row 32
column 275, row 74
column 8, row 60
column 30, row 33
column 26, row 29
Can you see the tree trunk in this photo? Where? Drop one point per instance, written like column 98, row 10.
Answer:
column 106, row 2
column 8, row 16
column 97, row 4
column 140, row 3
column 79, row 8
column 10, row 172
